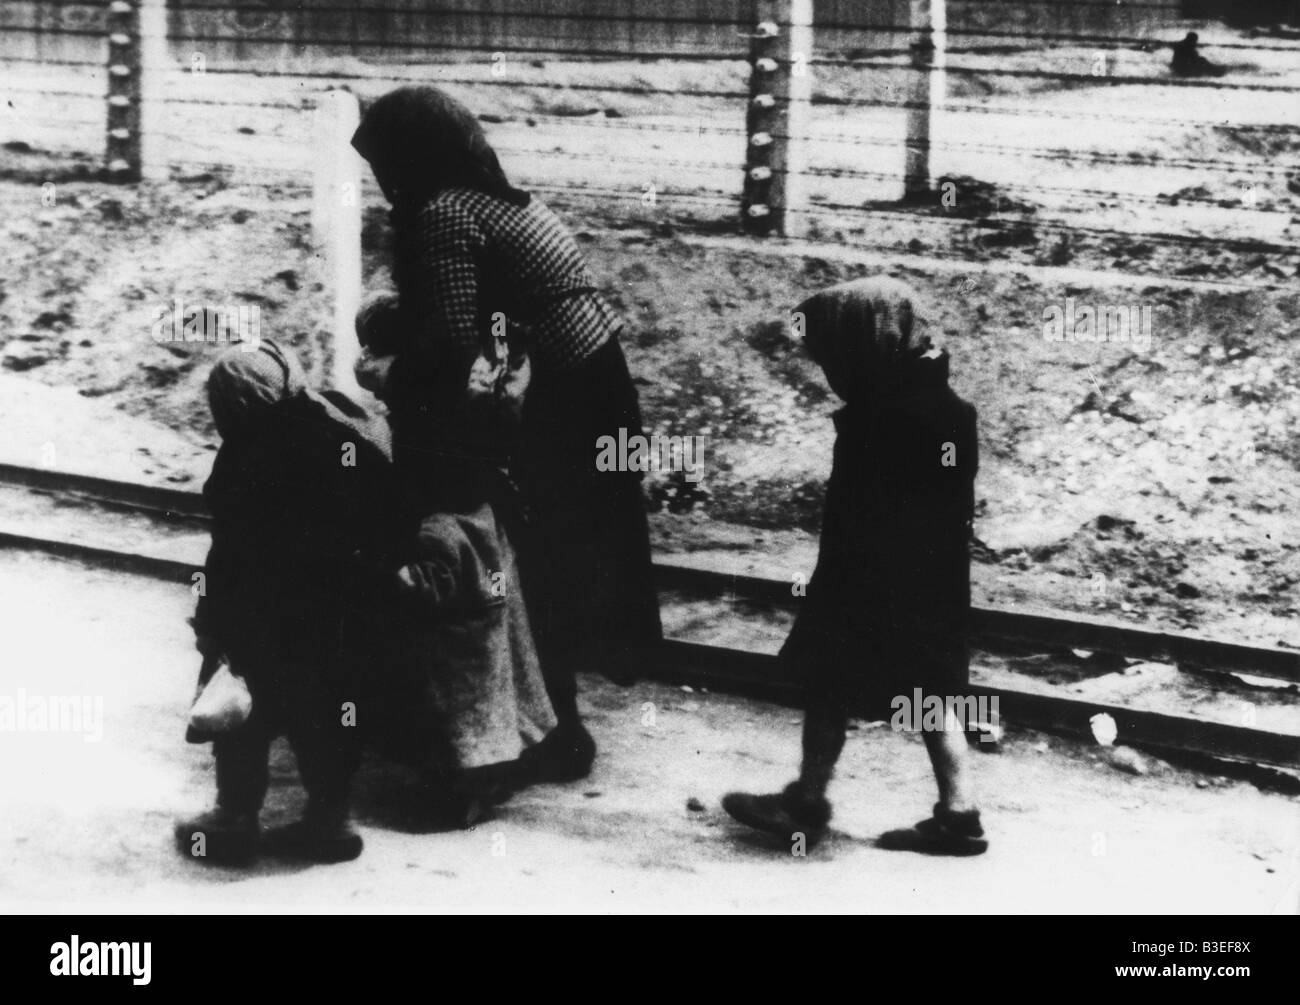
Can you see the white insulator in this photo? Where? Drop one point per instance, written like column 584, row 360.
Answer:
column 120, row 7
column 759, row 209
column 760, row 173
column 120, row 70
column 766, row 65
column 760, row 140
column 119, row 100
column 764, row 100
column 768, row 29
column 120, row 134
column 119, row 165
column 119, row 38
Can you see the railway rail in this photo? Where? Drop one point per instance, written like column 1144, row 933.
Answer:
column 995, row 629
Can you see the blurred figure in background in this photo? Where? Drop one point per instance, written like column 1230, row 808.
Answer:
column 1188, row 62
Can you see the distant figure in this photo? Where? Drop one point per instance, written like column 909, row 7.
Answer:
column 1188, row 62
column 886, row 612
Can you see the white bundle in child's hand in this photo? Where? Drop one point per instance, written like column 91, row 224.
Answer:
column 222, row 704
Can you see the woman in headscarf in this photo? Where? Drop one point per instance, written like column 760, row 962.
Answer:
column 886, row 609
column 301, row 501
column 477, row 258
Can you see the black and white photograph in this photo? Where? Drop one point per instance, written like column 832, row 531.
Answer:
column 681, row 457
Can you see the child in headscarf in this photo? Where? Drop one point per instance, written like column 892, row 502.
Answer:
column 301, row 500
column 473, row 252
column 887, row 606
column 465, row 700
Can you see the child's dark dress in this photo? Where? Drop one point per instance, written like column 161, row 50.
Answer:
column 888, row 604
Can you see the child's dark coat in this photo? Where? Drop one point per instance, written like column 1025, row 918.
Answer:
column 887, row 607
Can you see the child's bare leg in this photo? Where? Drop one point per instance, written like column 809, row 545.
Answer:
column 955, row 827
column 801, row 809
column 824, row 728
column 950, row 758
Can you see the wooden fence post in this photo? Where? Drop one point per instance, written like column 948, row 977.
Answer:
column 336, row 223
column 778, row 119
column 122, row 154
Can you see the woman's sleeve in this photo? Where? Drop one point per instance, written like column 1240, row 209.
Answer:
column 443, row 300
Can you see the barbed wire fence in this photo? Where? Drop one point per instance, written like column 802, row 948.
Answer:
column 916, row 125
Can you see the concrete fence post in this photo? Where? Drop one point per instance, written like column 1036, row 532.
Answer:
column 336, row 224
column 778, row 119
column 155, row 61
column 122, row 150
column 926, row 96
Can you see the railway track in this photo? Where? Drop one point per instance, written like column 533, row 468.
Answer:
column 995, row 629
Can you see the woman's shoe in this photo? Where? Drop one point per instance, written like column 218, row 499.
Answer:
column 565, row 755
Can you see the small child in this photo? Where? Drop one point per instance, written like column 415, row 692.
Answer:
column 887, row 607
column 300, row 489
column 465, row 699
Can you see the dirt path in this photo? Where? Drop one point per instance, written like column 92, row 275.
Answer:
column 87, row 825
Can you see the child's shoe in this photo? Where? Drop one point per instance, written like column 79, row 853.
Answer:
column 219, row 837
column 783, row 813
column 324, row 837
column 945, row 833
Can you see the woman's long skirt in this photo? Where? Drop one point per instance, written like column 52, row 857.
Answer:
column 586, row 559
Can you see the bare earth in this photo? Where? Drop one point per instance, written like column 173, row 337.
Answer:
column 1155, row 486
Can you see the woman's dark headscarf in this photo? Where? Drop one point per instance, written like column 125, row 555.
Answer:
column 419, row 141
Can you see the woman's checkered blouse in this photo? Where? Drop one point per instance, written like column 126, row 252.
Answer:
column 466, row 256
